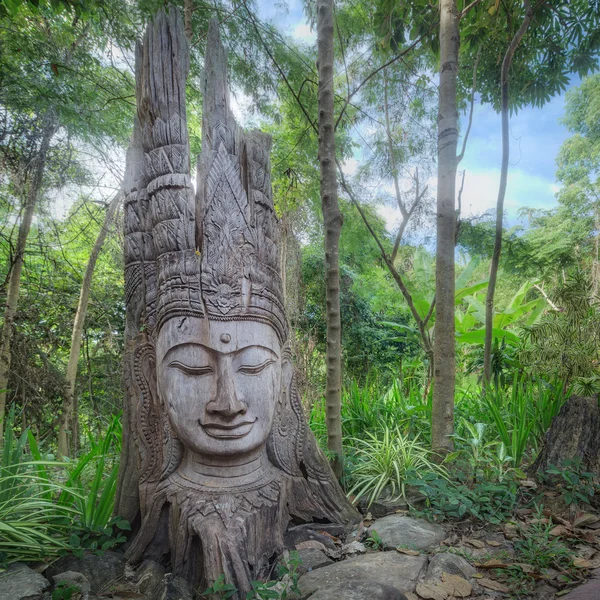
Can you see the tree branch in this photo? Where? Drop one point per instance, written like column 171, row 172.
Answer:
column 473, row 90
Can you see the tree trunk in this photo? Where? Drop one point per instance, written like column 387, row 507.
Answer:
column 14, row 282
column 332, row 218
column 489, row 300
column 574, row 434
column 69, row 416
column 444, row 370
column 188, row 9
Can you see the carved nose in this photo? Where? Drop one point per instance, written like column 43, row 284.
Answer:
column 226, row 404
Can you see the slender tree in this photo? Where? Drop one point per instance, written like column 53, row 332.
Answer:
column 69, row 418
column 14, row 282
column 489, row 300
column 442, row 417
column 332, row 218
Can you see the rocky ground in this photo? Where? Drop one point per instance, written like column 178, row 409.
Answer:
column 394, row 557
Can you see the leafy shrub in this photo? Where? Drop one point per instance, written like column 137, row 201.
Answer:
column 48, row 507
column 577, row 485
column 486, row 501
column 383, row 461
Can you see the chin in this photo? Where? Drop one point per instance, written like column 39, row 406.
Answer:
column 226, row 447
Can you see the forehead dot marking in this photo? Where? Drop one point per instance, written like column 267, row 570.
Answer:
column 225, row 338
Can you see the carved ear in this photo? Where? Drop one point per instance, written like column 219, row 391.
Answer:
column 285, row 440
column 160, row 452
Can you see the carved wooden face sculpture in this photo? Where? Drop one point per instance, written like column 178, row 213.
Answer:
column 220, row 382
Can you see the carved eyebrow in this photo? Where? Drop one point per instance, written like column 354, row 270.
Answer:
column 242, row 350
column 255, row 369
column 189, row 370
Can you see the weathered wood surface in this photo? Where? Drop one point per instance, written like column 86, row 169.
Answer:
column 574, row 434
column 224, row 459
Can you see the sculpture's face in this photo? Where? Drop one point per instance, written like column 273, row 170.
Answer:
column 220, row 381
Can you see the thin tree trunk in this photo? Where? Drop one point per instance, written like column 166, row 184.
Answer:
column 332, row 218
column 188, row 9
column 489, row 300
column 596, row 263
column 69, row 416
column 444, row 370
column 14, row 282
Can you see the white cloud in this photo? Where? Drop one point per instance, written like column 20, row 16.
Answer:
column 350, row 166
column 302, row 31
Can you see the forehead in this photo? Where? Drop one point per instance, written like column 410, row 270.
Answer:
column 222, row 336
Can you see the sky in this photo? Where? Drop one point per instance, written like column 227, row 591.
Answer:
column 536, row 135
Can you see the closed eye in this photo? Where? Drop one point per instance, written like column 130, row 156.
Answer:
column 205, row 370
column 255, row 369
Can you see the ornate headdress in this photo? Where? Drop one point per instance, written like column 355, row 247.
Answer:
column 215, row 256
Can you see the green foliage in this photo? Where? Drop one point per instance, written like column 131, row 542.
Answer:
column 382, row 461
column 486, row 501
column 374, row 541
column 282, row 589
column 577, row 485
column 373, row 407
column 64, row 591
column 523, row 414
column 48, row 507
column 566, row 341
column 219, row 589
column 540, row 549
column 31, row 524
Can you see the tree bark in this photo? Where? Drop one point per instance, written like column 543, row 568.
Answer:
column 574, row 434
column 69, row 416
column 489, row 300
column 188, row 9
column 14, row 282
column 332, row 218
column 442, row 416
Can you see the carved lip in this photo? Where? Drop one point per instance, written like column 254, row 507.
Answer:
column 227, row 431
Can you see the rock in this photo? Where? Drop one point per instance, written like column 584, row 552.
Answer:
column 446, row 562
column 172, row 588
column 543, row 591
column 72, row 578
column 387, row 568
column 148, row 576
column 311, row 558
column 19, row 582
column 416, row 534
column 101, row 570
column 354, row 548
column 359, row 590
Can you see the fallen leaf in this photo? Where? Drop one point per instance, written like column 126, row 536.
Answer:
column 528, row 483
column 585, row 519
column 477, row 575
column 460, row 587
column 475, row 543
column 490, row 584
column 493, row 543
column 493, row 563
column 582, row 563
column 430, row 591
column 559, row 530
column 407, row 551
